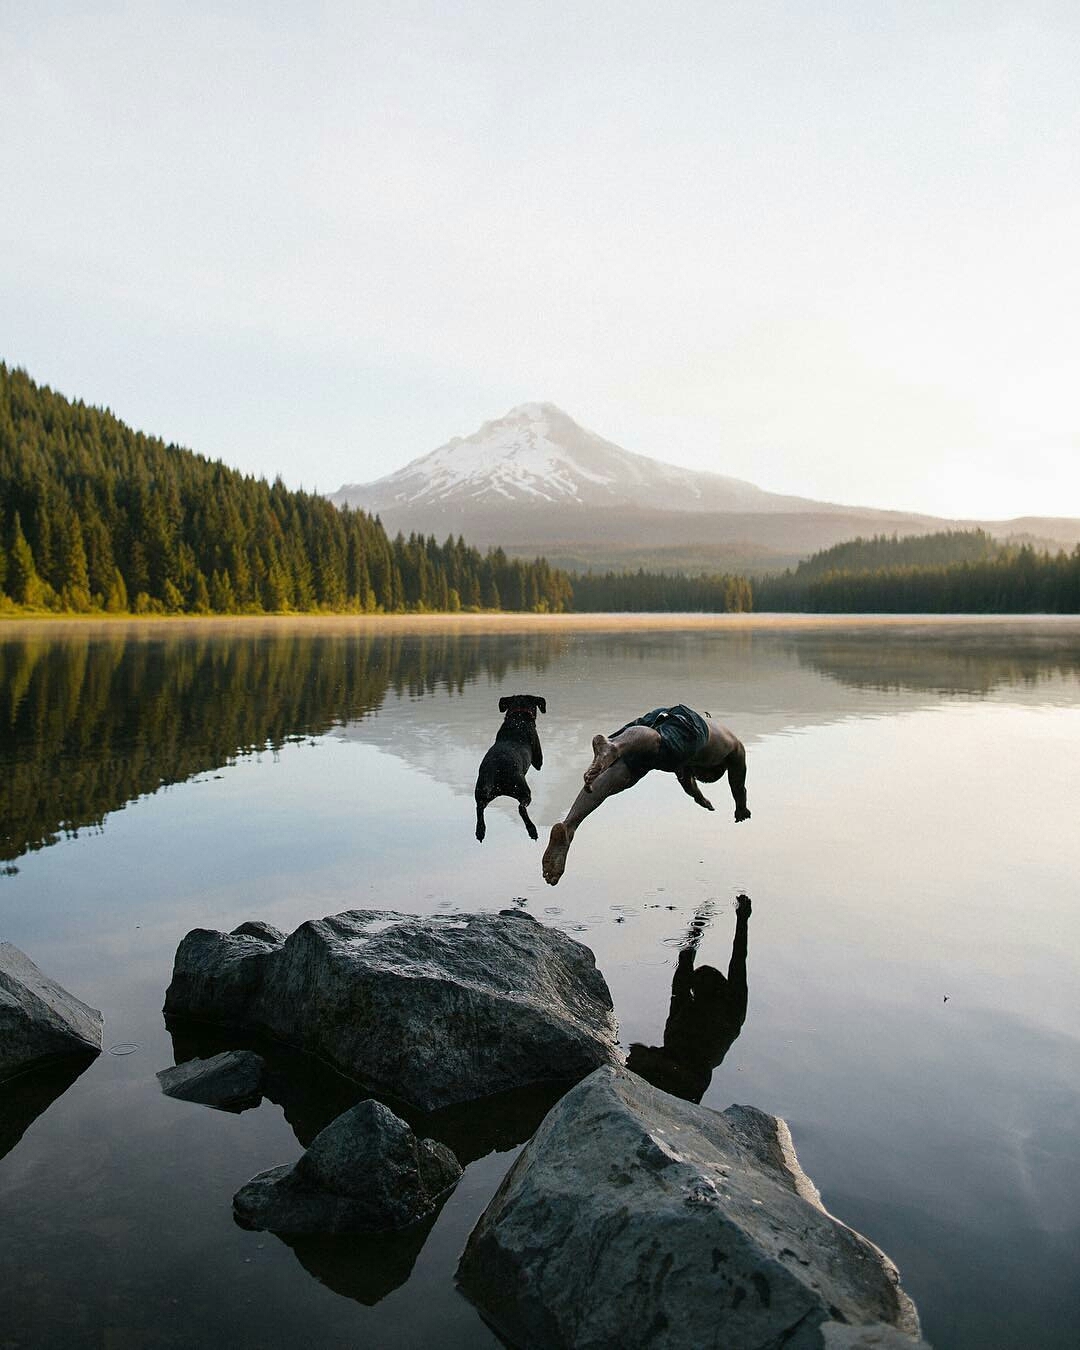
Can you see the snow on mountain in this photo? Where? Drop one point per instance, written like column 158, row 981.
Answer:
column 538, row 456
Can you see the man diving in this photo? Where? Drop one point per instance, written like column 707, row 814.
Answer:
column 674, row 740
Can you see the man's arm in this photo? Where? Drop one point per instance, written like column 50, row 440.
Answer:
column 688, row 783
column 737, row 964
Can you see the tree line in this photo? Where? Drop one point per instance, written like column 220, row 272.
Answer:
column 97, row 517
column 950, row 572
column 659, row 592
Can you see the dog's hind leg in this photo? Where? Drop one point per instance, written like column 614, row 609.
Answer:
column 523, row 813
column 524, row 798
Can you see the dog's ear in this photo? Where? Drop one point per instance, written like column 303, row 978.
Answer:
column 541, row 703
column 504, row 703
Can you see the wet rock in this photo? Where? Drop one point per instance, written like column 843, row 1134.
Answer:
column 839, row 1336
column 431, row 1011
column 231, row 1081
column 39, row 1020
column 635, row 1219
column 365, row 1173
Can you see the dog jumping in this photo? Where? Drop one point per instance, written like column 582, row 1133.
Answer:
column 503, row 768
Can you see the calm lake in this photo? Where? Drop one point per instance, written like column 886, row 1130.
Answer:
column 913, row 952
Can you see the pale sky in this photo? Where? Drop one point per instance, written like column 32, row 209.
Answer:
column 833, row 248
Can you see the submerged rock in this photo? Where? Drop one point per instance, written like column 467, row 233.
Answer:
column 635, row 1219
column 365, row 1173
column 432, row 1011
column 231, row 1081
column 40, row 1020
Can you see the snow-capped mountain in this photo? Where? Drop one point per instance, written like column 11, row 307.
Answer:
column 538, row 456
column 536, row 482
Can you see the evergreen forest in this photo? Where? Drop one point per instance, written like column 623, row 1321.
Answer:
column 950, row 572
column 97, row 517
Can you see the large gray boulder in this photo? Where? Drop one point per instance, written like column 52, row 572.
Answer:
column 231, row 1081
column 365, row 1173
column 633, row 1218
column 431, row 1011
column 40, row 1020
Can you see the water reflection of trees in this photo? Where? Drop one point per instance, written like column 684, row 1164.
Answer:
column 90, row 723
column 948, row 660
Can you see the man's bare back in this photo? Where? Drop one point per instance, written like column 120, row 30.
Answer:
column 675, row 740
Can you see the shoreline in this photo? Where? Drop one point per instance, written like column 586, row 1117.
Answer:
column 17, row 625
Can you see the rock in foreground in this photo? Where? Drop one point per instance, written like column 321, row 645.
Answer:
column 635, row 1219
column 365, row 1173
column 231, row 1081
column 432, row 1011
column 39, row 1020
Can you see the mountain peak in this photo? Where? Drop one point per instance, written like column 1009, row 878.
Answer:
column 538, row 411
column 537, row 456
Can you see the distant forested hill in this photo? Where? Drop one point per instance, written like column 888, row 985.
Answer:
column 95, row 516
column 913, row 550
column 952, row 572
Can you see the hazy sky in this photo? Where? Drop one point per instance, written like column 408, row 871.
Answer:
column 833, row 248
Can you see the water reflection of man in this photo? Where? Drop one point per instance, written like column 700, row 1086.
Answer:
column 705, row 1017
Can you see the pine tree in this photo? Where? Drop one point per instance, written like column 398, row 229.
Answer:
column 75, row 577
column 116, row 599
column 24, row 585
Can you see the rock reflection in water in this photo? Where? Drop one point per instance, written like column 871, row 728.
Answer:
column 705, row 1017
column 24, row 1098
column 361, row 1266
column 311, row 1095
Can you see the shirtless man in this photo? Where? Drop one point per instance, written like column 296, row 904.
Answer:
column 675, row 740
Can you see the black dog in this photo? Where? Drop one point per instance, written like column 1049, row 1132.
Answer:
column 503, row 768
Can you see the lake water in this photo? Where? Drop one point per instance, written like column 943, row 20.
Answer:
column 913, row 949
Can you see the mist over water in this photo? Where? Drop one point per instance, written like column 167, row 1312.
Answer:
column 912, row 956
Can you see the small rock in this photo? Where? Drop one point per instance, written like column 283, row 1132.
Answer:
column 40, row 1020
column 231, row 1081
column 365, row 1173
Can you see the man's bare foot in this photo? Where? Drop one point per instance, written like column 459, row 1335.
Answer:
column 554, row 863
column 605, row 753
column 741, row 813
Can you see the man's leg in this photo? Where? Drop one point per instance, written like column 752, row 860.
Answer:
column 617, row 778
column 636, row 740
